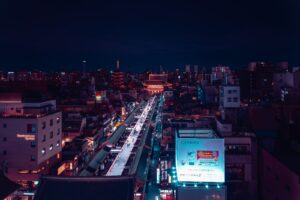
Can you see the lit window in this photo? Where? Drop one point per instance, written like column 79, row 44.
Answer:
column 51, row 147
column 23, row 171
column 58, row 143
column 57, row 119
column 43, row 151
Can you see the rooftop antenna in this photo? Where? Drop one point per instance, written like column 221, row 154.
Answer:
column 161, row 70
column 84, row 67
column 118, row 65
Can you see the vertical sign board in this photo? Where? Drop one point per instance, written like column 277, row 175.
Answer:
column 200, row 160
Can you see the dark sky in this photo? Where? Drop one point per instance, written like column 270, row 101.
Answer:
column 146, row 34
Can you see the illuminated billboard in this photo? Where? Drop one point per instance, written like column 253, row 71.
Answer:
column 200, row 159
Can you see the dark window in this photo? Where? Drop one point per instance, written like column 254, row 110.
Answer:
column 4, row 139
column 4, row 125
column 235, row 99
column 229, row 99
column 44, row 138
column 58, row 131
column 51, row 134
column 4, row 152
column 33, row 144
column 51, row 122
column 235, row 172
column 31, row 128
column 287, row 187
column 32, row 158
column 44, row 125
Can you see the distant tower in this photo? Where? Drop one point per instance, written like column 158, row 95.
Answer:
column 187, row 68
column 161, row 70
column 196, row 69
column 118, row 77
column 118, row 65
column 84, row 68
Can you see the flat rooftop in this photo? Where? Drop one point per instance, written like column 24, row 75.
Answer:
column 196, row 133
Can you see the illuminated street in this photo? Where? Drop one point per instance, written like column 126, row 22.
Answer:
column 120, row 161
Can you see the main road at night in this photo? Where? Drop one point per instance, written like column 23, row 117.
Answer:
column 120, row 161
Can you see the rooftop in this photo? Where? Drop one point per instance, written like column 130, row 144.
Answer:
column 108, row 188
column 196, row 133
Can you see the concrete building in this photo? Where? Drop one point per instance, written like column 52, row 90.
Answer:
column 221, row 74
column 241, row 166
column 230, row 96
column 30, row 135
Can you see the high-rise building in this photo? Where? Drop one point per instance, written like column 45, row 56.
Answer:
column 222, row 74
column 196, row 68
column 257, row 82
column 187, row 68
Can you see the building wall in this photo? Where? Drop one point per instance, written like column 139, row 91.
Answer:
column 230, row 96
column 224, row 128
column 241, row 167
column 22, row 150
column 277, row 181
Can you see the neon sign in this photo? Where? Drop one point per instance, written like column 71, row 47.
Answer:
column 26, row 137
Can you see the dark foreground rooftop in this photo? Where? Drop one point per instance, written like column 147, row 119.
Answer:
column 108, row 188
column 6, row 186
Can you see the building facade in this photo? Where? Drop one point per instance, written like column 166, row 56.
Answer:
column 30, row 139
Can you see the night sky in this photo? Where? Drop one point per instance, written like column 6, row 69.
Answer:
column 57, row 35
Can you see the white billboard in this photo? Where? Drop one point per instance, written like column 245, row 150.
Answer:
column 200, row 160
